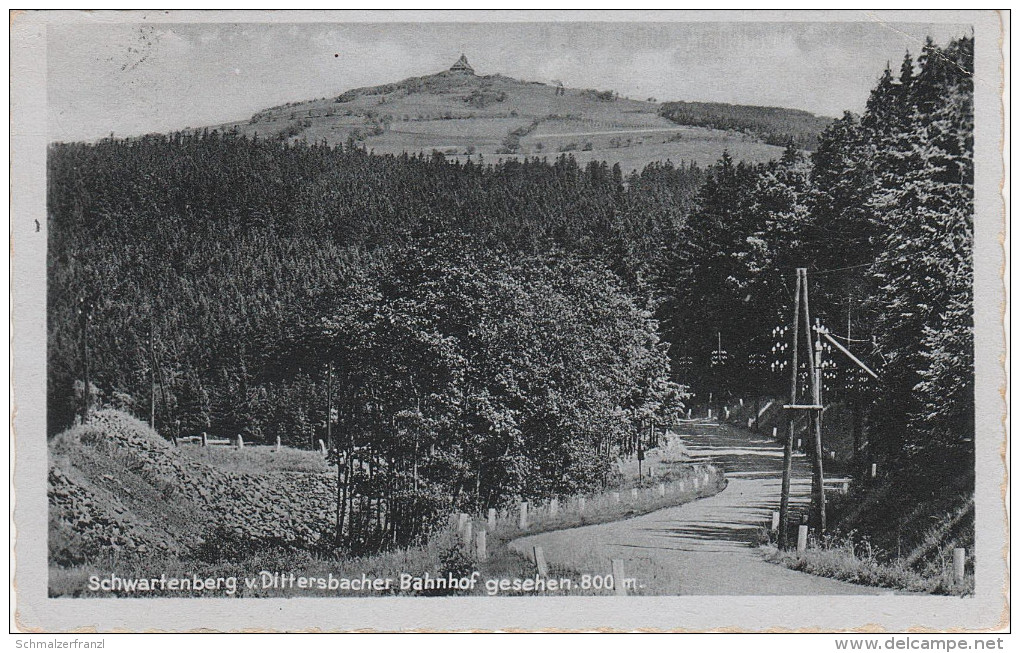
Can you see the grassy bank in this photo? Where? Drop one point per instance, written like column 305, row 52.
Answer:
column 849, row 558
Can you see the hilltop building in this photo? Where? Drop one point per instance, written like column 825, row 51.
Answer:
column 462, row 66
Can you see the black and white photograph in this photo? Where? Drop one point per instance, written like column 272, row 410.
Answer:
column 357, row 308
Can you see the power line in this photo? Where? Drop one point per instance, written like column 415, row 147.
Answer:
column 844, row 338
column 849, row 267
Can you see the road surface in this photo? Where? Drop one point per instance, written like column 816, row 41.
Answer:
column 706, row 546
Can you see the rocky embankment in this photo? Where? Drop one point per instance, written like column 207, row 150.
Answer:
column 117, row 488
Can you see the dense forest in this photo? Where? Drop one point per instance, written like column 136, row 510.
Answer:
column 474, row 333
column 881, row 214
column 773, row 125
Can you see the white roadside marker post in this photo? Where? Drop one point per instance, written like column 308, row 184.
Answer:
column 959, row 564
column 619, row 579
column 543, row 568
column 802, row 538
column 480, row 551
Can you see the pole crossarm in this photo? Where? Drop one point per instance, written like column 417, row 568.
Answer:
column 825, row 334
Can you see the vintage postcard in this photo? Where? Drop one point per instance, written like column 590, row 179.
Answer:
column 391, row 321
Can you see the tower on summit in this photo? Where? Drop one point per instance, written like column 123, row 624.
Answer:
column 462, row 66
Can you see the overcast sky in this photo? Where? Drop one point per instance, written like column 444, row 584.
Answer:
column 133, row 79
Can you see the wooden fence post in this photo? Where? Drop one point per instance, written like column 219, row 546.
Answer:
column 775, row 520
column 619, row 580
column 522, row 520
column 278, row 447
column 205, row 441
column 492, row 518
column 543, row 568
column 802, row 538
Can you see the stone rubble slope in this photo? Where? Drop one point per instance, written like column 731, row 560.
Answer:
column 118, row 488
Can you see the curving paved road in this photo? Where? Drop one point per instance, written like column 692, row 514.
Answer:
column 704, row 547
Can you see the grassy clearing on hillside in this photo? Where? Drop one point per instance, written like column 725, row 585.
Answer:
column 258, row 459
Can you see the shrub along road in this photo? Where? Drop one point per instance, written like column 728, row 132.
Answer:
column 706, row 546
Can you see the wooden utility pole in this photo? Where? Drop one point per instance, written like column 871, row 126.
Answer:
column 85, row 313
column 152, row 379
column 784, row 501
column 329, row 406
column 722, row 400
column 814, row 408
column 814, row 375
column 640, row 454
column 856, row 403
